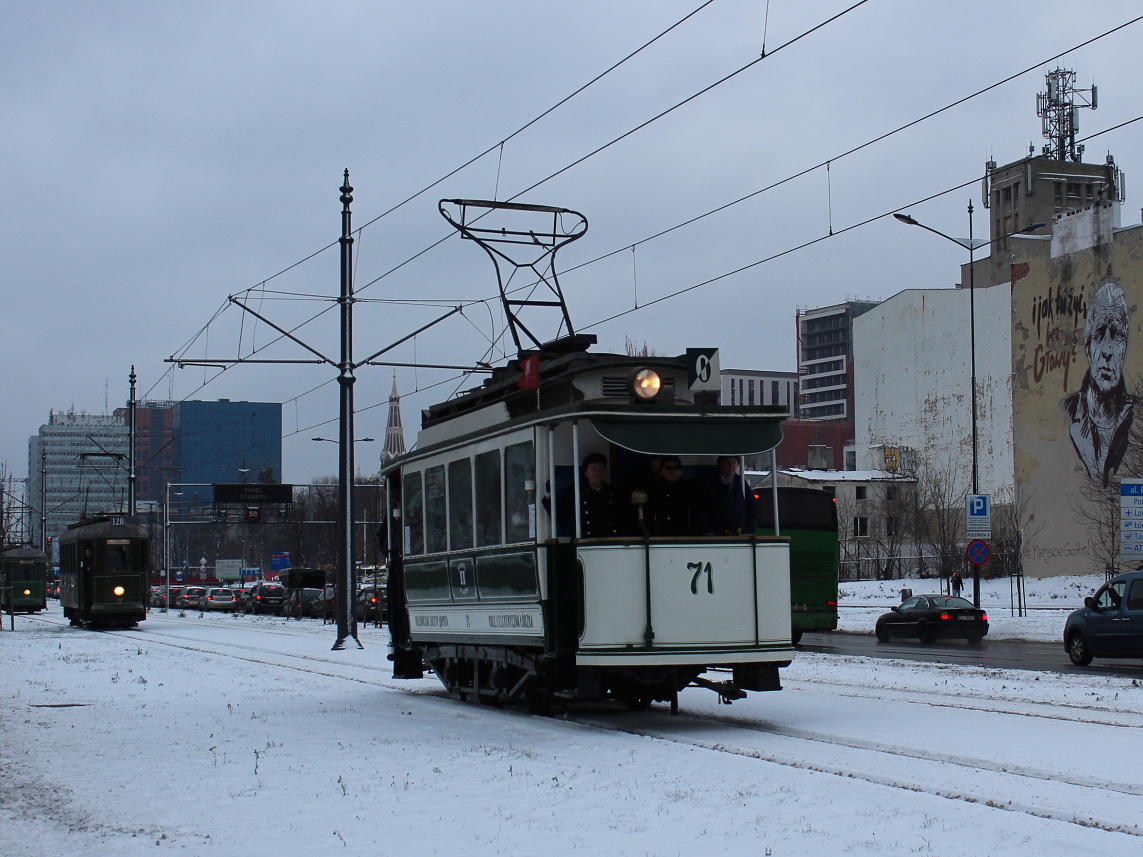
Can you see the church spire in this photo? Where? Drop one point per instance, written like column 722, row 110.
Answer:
column 394, row 433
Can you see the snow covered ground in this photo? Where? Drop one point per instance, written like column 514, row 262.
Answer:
column 222, row 735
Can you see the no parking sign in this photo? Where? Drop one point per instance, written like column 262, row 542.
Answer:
column 978, row 552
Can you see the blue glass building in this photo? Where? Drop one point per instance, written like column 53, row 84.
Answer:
column 225, row 441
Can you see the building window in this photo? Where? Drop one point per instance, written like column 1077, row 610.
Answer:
column 750, row 389
column 891, row 527
column 862, row 492
column 861, row 528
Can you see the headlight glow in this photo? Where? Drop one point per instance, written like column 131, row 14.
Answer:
column 27, row 592
column 647, row 383
column 119, row 590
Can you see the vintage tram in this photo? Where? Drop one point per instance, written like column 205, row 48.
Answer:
column 498, row 587
column 105, row 572
column 24, row 572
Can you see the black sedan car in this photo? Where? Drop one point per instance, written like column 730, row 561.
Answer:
column 931, row 617
column 1110, row 624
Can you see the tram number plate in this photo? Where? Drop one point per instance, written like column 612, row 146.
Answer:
column 699, row 569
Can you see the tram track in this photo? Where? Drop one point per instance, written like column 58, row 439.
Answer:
column 1027, row 789
column 1074, row 800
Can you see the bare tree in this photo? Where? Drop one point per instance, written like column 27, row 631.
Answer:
column 892, row 503
column 940, row 493
column 634, row 349
column 1098, row 509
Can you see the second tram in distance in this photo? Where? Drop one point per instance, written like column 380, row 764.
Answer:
column 24, row 572
column 500, row 588
column 105, row 572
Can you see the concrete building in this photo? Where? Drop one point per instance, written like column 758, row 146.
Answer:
column 1059, row 365
column 760, row 387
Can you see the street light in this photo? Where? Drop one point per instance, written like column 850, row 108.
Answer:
column 242, row 471
column 971, row 246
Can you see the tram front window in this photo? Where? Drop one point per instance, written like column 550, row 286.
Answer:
column 520, row 469
column 460, row 504
column 118, row 555
column 435, row 512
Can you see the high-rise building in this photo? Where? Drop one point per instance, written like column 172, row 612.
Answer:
column 225, row 441
column 825, row 360
column 77, row 468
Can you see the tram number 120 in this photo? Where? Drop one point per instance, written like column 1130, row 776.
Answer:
column 700, row 569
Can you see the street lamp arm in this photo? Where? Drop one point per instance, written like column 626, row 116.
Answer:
column 904, row 218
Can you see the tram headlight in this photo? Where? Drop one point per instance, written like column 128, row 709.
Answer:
column 645, row 384
column 27, row 592
column 118, row 590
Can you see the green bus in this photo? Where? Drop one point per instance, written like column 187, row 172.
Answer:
column 808, row 517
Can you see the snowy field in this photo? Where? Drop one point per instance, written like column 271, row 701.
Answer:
column 248, row 736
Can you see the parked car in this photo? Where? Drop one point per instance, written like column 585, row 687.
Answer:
column 324, row 607
column 299, row 601
column 1110, row 624
column 370, row 604
column 239, row 597
column 929, row 617
column 189, row 596
column 218, row 598
column 265, row 598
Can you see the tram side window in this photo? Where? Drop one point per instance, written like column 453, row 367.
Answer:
column 460, row 504
column 520, row 467
column 413, row 512
column 435, row 510
column 488, row 510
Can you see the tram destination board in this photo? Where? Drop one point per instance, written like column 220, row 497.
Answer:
column 252, row 492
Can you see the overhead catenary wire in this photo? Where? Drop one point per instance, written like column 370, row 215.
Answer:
column 827, row 164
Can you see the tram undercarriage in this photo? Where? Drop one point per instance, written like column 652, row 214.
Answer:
column 496, row 675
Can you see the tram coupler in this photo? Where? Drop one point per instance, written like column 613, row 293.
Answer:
column 728, row 690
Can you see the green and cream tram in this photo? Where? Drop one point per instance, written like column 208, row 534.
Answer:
column 495, row 585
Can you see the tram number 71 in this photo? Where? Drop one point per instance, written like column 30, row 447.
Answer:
column 699, row 570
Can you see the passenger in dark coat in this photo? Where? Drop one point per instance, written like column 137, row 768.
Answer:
column 599, row 507
column 674, row 504
column 733, row 511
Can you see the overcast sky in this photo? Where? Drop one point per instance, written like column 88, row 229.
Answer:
column 163, row 156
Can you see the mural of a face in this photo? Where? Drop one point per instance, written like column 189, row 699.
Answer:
column 1106, row 336
column 1101, row 411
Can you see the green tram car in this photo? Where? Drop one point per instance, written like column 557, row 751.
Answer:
column 105, row 572
column 24, row 572
column 808, row 517
column 504, row 605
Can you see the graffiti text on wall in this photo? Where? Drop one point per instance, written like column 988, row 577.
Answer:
column 1058, row 319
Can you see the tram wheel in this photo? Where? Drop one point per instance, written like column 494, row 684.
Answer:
column 539, row 701
column 638, row 703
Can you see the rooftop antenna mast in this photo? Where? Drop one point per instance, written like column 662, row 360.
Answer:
column 1059, row 110
column 512, row 243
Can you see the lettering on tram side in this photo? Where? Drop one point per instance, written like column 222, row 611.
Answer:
column 431, row 621
column 700, row 569
column 509, row 620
